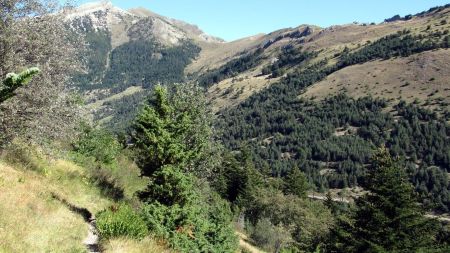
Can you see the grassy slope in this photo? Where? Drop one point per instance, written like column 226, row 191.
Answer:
column 232, row 91
column 32, row 220
column 123, row 245
column 99, row 104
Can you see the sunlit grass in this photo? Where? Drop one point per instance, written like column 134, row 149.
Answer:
column 31, row 220
column 122, row 245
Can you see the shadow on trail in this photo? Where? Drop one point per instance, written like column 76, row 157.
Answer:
column 92, row 240
column 87, row 216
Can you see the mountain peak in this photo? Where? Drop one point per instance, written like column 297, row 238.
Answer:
column 93, row 7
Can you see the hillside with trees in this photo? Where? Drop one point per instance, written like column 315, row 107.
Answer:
column 110, row 142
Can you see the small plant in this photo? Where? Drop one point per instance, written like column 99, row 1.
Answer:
column 99, row 144
column 14, row 81
column 121, row 221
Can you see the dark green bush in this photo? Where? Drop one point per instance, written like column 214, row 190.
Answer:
column 190, row 220
column 121, row 221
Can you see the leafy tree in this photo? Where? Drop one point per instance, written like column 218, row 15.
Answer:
column 388, row 218
column 306, row 222
column 33, row 33
column 270, row 237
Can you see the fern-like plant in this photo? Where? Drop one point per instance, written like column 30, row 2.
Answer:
column 14, row 81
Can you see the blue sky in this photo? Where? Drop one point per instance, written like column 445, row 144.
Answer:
column 234, row 19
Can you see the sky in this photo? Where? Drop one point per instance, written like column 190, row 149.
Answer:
column 234, row 19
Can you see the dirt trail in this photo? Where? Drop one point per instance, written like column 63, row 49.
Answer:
column 319, row 197
column 442, row 218
column 92, row 239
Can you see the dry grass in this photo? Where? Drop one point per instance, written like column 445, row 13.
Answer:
column 424, row 77
column 355, row 35
column 245, row 244
column 128, row 92
column 231, row 92
column 33, row 220
column 213, row 55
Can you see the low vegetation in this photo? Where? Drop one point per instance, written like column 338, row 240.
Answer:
column 121, row 221
column 232, row 68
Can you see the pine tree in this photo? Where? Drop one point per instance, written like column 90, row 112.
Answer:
column 329, row 202
column 388, row 218
column 296, row 183
column 172, row 129
column 172, row 137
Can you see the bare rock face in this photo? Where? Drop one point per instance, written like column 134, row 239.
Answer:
column 101, row 15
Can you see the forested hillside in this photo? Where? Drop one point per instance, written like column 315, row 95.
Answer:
column 128, row 50
column 140, row 63
column 332, row 140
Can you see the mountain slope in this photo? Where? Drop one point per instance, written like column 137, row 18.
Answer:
column 127, row 49
column 328, row 42
column 105, row 16
column 421, row 77
column 261, row 87
column 122, row 42
column 332, row 137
